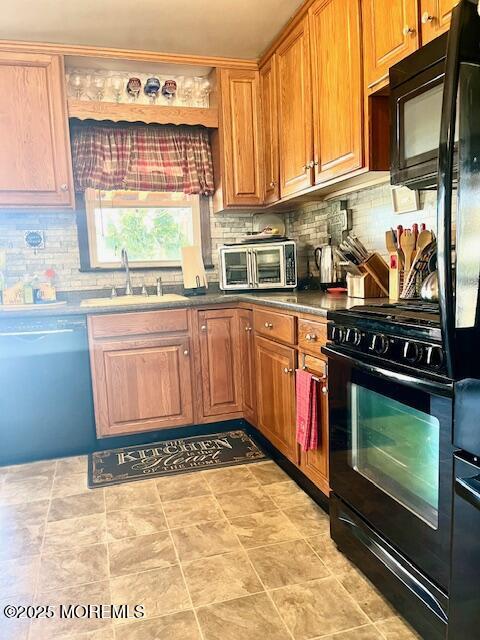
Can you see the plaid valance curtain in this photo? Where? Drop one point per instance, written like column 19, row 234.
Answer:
column 140, row 157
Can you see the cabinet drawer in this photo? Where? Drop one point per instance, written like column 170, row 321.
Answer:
column 312, row 335
column 138, row 323
column 275, row 325
column 314, row 365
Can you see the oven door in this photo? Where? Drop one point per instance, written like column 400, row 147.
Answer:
column 236, row 270
column 391, row 457
column 268, row 264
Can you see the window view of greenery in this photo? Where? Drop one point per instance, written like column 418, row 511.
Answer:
column 149, row 234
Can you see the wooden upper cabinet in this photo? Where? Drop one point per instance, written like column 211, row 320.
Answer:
column 247, row 363
column 335, row 36
column 236, row 144
column 219, row 362
column 275, row 372
column 390, row 33
column 295, row 111
column 435, row 17
column 269, row 120
column 35, row 161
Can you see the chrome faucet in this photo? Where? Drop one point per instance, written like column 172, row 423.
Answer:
column 159, row 287
column 125, row 265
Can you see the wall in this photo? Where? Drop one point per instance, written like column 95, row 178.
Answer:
column 372, row 215
column 61, row 250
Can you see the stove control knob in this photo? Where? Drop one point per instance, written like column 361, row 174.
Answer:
column 338, row 334
column 380, row 344
column 412, row 352
column 434, row 357
column 353, row 337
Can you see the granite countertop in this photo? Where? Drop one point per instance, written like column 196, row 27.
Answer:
column 313, row 302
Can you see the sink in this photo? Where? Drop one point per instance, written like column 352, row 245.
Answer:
column 122, row 301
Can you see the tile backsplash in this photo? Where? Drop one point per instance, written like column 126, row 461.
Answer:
column 310, row 225
column 372, row 214
column 61, row 250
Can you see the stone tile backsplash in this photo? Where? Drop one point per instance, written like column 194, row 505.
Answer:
column 372, row 214
column 310, row 225
column 61, row 250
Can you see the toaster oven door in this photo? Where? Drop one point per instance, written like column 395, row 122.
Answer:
column 236, row 268
column 268, row 267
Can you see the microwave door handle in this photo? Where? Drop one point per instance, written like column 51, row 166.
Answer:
column 445, row 187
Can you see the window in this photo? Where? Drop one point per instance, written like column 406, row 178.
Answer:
column 153, row 227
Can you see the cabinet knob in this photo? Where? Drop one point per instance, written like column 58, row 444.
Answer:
column 426, row 17
column 185, row 353
column 273, row 184
column 64, row 187
column 408, row 31
column 268, row 325
column 309, row 165
column 325, row 391
column 310, row 337
column 248, row 328
column 287, row 370
column 203, row 327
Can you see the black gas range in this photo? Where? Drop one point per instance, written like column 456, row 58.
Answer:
column 390, row 409
column 404, row 336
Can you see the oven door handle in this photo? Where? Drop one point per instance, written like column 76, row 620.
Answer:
column 430, row 386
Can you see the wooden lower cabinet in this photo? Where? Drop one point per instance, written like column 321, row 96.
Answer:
column 246, row 345
column 314, row 464
column 219, row 362
column 141, row 384
column 275, row 374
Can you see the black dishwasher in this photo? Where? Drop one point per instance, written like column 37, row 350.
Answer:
column 46, row 407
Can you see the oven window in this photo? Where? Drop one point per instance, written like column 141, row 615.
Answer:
column 396, row 447
column 236, row 268
column 269, row 268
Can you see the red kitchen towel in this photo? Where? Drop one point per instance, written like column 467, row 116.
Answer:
column 307, row 410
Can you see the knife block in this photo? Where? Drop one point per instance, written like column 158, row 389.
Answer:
column 364, row 286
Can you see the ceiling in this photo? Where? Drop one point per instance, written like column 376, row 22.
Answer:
column 230, row 28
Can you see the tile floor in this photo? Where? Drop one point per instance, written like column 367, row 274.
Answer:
column 233, row 554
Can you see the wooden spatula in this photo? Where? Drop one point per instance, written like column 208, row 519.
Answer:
column 408, row 245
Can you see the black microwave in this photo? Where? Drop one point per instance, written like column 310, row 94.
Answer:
column 416, row 93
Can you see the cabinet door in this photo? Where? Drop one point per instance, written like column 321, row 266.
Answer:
column 141, row 384
column 337, row 87
column 219, row 362
column 295, row 111
column 240, row 132
column 35, row 161
column 390, row 33
column 275, row 371
column 268, row 93
column 435, row 17
column 247, row 363
column 314, row 463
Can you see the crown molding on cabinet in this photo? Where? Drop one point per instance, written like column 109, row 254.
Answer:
column 127, row 54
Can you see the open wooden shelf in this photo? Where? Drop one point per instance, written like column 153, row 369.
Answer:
column 147, row 113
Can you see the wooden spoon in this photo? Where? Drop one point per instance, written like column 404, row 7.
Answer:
column 424, row 239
